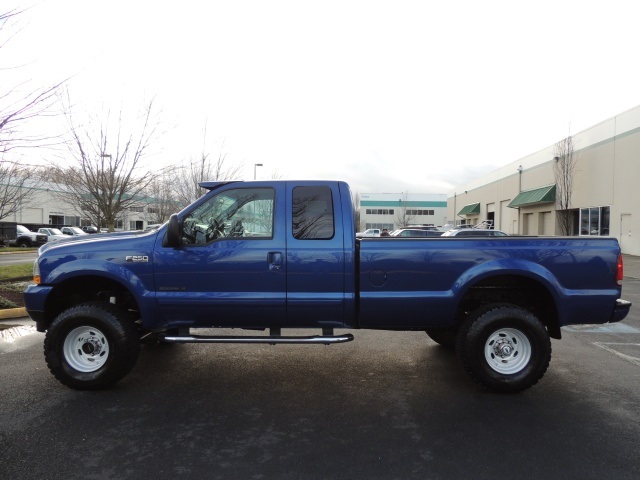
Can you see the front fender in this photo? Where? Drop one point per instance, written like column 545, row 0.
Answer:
column 136, row 278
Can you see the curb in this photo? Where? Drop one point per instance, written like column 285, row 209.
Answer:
column 13, row 313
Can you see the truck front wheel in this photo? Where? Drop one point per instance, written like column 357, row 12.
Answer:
column 91, row 346
column 505, row 348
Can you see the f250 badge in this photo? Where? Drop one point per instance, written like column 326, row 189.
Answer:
column 137, row 258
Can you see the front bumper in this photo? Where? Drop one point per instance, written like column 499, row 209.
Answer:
column 35, row 297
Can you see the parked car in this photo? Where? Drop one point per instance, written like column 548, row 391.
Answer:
column 90, row 229
column 474, row 232
column 424, row 227
column 53, row 234
column 73, row 231
column 371, row 232
column 27, row 238
column 415, row 232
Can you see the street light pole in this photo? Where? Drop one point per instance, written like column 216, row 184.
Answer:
column 255, row 166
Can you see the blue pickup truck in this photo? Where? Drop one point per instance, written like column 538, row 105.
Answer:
column 281, row 255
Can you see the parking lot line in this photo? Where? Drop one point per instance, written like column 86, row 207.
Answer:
column 607, row 346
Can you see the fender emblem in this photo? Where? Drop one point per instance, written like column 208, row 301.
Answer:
column 137, row 258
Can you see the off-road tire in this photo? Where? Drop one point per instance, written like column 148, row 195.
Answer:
column 505, row 348
column 91, row 346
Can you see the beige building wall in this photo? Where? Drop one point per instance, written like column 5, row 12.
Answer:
column 607, row 175
column 44, row 203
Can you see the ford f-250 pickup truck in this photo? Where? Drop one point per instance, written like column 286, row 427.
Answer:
column 278, row 255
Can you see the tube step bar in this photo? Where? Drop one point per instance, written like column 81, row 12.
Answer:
column 269, row 339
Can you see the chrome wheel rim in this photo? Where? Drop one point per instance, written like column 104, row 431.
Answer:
column 86, row 349
column 507, row 351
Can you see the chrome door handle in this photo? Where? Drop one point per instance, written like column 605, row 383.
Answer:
column 275, row 260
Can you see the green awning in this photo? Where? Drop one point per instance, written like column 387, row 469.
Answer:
column 470, row 209
column 534, row 197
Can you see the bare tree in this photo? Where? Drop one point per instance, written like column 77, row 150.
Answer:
column 355, row 202
column 188, row 178
column 19, row 107
column 16, row 187
column 105, row 177
column 162, row 199
column 564, row 171
column 276, row 175
column 403, row 217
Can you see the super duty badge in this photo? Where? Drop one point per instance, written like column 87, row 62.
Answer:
column 137, row 258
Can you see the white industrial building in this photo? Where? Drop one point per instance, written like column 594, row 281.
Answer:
column 393, row 210
column 520, row 198
column 46, row 207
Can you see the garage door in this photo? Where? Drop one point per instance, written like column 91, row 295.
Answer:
column 546, row 224
column 527, row 224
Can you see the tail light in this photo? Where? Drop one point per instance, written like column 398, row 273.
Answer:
column 619, row 271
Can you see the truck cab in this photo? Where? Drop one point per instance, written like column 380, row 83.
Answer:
column 278, row 232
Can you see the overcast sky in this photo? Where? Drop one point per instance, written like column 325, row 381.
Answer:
column 394, row 96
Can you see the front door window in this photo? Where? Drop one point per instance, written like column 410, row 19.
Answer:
column 232, row 214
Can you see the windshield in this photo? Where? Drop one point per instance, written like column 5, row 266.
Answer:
column 22, row 229
column 55, row 231
column 76, row 231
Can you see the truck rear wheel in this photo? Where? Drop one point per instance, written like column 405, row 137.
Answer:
column 505, row 348
column 91, row 346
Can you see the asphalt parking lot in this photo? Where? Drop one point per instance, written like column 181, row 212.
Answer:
column 390, row 405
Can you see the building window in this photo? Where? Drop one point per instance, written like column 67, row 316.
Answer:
column 152, row 210
column 415, row 213
column 388, row 226
column 72, row 221
column 136, row 225
column 379, row 211
column 594, row 221
column 136, row 209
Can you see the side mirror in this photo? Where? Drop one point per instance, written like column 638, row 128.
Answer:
column 173, row 237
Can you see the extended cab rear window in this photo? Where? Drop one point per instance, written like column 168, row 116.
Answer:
column 312, row 213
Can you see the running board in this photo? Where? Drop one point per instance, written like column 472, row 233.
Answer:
column 273, row 340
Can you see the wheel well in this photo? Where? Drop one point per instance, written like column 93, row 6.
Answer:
column 86, row 289
column 25, row 240
column 517, row 290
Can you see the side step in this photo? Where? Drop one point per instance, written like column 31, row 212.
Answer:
column 272, row 339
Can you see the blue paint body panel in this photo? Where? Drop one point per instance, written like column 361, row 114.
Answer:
column 280, row 280
column 425, row 279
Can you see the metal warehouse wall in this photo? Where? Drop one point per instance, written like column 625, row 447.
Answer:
column 607, row 174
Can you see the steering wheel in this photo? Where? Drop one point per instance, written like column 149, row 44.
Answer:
column 214, row 230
